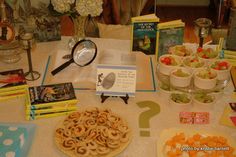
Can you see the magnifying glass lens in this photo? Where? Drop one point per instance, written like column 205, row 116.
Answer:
column 84, row 53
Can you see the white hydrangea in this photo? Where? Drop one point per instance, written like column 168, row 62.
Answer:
column 62, row 6
column 89, row 7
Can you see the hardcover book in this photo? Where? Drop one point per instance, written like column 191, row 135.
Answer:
column 13, row 84
column 144, row 34
column 47, row 95
column 170, row 34
column 13, row 79
column 50, row 101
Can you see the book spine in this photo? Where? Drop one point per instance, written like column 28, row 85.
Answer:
column 49, row 115
column 15, row 92
column 38, row 106
column 11, row 97
column 13, row 88
column 49, row 110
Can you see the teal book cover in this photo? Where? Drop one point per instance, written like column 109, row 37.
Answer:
column 144, row 37
column 169, row 37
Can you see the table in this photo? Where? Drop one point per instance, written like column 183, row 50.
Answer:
column 43, row 143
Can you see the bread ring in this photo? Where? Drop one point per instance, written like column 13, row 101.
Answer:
column 125, row 137
column 103, row 150
column 78, row 130
column 90, row 123
column 69, row 144
column 82, row 151
column 113, row 134
column 113, row 143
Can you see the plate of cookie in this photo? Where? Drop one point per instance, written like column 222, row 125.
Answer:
column 92, row 132
column 179, row 142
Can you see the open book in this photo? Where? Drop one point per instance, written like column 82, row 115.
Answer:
column 85, row 77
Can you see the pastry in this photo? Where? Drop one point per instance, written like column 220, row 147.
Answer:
column 92, row 133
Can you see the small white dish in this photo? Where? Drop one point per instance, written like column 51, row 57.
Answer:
column 180, row 50
column 222, row 68
column 180, row 77
column 167, row 63
column 206, row 82
column 163, row 93
column 204, row 100
column 178, row 104
column 207, row 54
column 193, row 63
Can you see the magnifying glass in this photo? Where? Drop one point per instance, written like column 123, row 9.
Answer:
column 82, row 54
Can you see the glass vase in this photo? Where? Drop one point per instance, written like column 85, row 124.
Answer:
column 79, row 30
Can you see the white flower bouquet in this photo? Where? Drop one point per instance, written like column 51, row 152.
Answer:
column 79, row 7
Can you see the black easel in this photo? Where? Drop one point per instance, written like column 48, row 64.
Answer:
column 124, row 98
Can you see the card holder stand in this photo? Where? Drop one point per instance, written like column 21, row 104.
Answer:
column 124, row 98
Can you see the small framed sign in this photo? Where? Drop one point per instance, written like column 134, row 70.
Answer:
column 116, row 80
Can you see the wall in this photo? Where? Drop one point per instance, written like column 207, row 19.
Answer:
column 184, row 2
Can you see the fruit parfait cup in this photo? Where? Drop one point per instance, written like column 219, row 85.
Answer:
column 180, row 77
column 180, row 50
column 207, row 54
column 167, row 63
column 205, row 79
column 194, row 63
column 180, row 100
column 222, row 68
column 204, row 100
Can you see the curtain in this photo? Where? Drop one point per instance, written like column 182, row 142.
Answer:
column 121, row 11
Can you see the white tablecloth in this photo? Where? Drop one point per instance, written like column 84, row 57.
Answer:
column 43, row 144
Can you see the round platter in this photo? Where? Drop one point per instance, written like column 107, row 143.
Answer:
column 168, row 134
column 92, row 133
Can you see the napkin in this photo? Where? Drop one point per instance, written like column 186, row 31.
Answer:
column 12, row 139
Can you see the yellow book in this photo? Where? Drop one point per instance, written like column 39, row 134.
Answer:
column 13, row 94
column 51, row 110
column 48, row 115
column 51, row 95
column 169, row 34
column 144, row 34
column 12, row 80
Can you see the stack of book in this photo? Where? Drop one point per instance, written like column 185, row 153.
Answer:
column 13, row 85
column 50, row 101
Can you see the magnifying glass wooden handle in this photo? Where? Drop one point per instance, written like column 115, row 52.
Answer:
column 63, row 66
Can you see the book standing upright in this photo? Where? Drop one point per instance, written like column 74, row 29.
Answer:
column 170, row 34
column 144, row 34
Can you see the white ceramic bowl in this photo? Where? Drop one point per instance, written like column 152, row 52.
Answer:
column 180, row 106
column 180, row 50
column 166, row 69
column 204, row 105
column 222, row 74
column 208, row 61
column 191, row 66
column 204, row 83
column 164, row 94
column 178, row 81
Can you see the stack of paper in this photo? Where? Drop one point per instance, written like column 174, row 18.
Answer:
column 50, row 101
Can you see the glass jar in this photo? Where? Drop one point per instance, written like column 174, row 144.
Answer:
column 10, row 53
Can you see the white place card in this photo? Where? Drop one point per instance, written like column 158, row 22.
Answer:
column 116, row 80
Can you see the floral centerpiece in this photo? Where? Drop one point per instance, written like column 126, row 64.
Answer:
column 78, row 10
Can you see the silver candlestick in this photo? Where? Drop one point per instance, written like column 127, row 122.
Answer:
column 27, row 41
